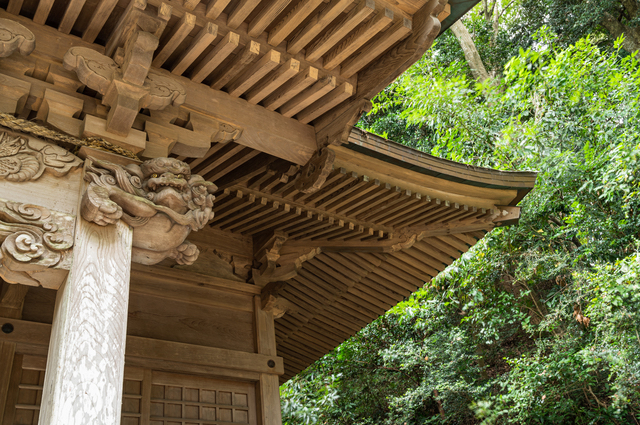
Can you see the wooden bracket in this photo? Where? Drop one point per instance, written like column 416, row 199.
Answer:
column 193, row 140
column 126, row 88
column 61, row 111
column 14, row 94
column 315, row 173
column 271, row 302
column 277, row 266
column 137, row 18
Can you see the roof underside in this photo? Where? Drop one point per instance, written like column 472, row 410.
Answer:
column 363, row 225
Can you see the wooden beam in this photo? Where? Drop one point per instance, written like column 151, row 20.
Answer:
column 329, row 39
column 70, row 15
column 14, row 7
column 308, row 96
column 272, row 82
column 42, row 12
column 98, row 19
column 204, row 38
column 38, row 334
column 7, row 352
column 85, row 365
column 179, row 32
column 291, row 89
column 375, row 48
column 266, row 16
column 317, row 24
column 248, row 55
column 333, row 99
column 253, row 74
column 334, row 127
column 12, row 301
column 290, row 22
column 240, row 13
column 215, row 8
column 223, row 49
column 357, row 39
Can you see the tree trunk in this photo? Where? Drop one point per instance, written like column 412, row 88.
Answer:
column 616, row 28
column 471, row 54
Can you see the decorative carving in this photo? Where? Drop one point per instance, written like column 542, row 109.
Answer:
column 315, row 173
column 14, row 36
column 129, row 87
column 34, row 239
column 23, row 159
column 160, row 199
column 271, row 302
column 276, row 266
column 241, row 266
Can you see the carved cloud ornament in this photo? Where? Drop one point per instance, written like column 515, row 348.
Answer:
column 34, row 239
column 160, row 199
column 127, row 85
column 14, row 36
column 23, row 159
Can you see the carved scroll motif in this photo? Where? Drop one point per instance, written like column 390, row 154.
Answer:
column 315, row 173
column 14, row 36
column 160, row 199
column 128, row 87
column 23, row 159
column 34, row 239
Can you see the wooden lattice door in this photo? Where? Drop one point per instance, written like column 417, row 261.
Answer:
column 149, row 397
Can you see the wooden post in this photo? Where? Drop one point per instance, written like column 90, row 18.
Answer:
column 268, row 387
column 85, row 366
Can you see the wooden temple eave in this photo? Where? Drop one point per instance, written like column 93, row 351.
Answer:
column 273, row 74
column 256, row 231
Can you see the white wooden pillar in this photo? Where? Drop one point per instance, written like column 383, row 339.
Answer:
column 85, row 367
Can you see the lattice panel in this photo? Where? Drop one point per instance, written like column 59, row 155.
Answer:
column 170, row 399
column 27, row 407
column 215, row 404
column 131, row 401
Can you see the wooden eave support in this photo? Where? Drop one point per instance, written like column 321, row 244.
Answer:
column 334, row 127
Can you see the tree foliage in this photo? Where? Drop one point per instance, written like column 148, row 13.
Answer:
column 539, row 322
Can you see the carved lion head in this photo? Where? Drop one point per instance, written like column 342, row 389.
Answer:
column 168, row 182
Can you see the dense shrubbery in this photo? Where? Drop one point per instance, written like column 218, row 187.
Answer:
column 540, row 322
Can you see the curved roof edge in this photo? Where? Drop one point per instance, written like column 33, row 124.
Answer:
column 458, row 9
column 414, row 160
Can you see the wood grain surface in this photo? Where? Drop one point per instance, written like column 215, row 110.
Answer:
column 85, row 366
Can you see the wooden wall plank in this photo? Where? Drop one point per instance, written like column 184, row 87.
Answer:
column 7, row 353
